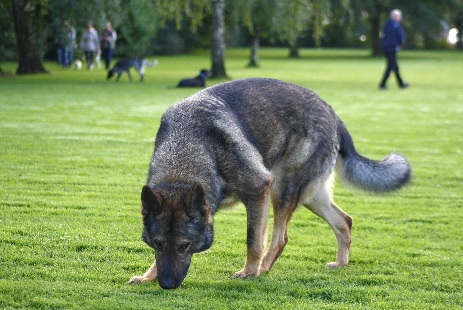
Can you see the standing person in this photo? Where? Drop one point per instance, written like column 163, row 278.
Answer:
column 69, row 43
column 392, row 40
column 60, row 38
column 90, row 44
column 108, row 44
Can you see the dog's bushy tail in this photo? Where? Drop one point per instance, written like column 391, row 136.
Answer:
column 387, row 175
column 151, row 64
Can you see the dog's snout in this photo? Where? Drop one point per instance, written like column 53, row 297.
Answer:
column 172, row 270
column 169, row 283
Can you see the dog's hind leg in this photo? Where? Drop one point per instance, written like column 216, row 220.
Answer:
column 150, row 275
column 322, row 205
column 118, row 76
column 141, row 70
column 130, row 75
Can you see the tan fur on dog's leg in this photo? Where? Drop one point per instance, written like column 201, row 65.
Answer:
column 257, row 222
column 341, row 223
column 279, row 235
column 150, row 275
column 257, row 235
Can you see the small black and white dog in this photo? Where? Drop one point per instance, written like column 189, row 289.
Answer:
column 124, row 66
column 199, row 81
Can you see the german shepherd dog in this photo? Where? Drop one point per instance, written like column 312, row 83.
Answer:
column 124, row 66
column 199, row 81
column 261, row 142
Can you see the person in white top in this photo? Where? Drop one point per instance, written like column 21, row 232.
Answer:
column 90, row 44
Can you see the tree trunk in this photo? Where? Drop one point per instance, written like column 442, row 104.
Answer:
column 254, row 59
column 218, row 39
column 294, row 50
column 28, row 49
column 375, row 31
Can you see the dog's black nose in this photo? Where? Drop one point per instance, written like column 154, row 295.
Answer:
column 169, row 283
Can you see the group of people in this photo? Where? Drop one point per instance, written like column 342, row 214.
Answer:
column 393, row 39
column 91, row 44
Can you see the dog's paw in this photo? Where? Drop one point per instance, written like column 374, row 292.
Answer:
column 139, row 280
column 334, row 265
column 243, row 274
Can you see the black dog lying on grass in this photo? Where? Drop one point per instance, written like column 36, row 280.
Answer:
column 199, row 81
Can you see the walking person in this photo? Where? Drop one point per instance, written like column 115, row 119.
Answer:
column 392, row 41
column 59, row 41
column 90, row 44
column 69, row 44
column 108, row 44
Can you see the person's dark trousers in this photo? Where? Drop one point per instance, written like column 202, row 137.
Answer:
column 68, row 59
column 89, row 55
column 391, row 66
column 107, row 55
column 59, row 54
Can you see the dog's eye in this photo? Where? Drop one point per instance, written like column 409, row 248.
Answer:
column 183, row 247
column 159, row 244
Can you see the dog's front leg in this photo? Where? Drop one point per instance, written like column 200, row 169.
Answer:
column 150, row 275
column 257, row 217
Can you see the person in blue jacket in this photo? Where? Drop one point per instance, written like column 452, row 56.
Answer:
column 392, row 40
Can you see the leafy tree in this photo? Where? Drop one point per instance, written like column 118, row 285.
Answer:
column 293, row 18
column 178, row 10
column 340, row 30
column 24, row 13
column 427, row 17
column 374, row 10
column 7, row 35
column 422, row 19
column 320, row 12
column 194, row 11
column 80, row 12
column 28, row 27
column 257, row 16
column 138, row 27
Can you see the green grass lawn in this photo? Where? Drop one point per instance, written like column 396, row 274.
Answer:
column 75, row 148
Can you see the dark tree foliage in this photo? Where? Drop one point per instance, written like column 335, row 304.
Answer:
column 29, row 27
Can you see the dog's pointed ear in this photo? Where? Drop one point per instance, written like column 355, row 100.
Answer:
column 196, row 201
column 150, row 201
